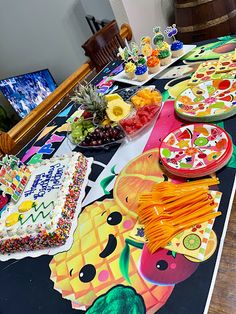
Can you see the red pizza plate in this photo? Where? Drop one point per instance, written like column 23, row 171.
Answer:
column 196, row 150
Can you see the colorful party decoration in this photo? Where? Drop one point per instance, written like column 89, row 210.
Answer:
column 196, row 150
column 171, row 31
column 209, row 101
column 14, row 176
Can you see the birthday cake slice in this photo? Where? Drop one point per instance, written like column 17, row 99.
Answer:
column 42, row 215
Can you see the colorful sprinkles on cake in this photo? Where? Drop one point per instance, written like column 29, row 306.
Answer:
column 41, row 237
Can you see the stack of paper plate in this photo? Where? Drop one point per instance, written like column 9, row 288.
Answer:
column 196, row 150
column 208, row 101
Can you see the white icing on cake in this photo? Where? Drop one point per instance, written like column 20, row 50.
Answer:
column 46, row 190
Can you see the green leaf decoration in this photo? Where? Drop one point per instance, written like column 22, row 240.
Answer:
column 173, row 254
column 107, row 180
column 225, row 38
column 220, row 124
column 113, row 169
column 137, row 245
column 232, row 162
column 125, row 257
column 124, row 262
column 165, row 95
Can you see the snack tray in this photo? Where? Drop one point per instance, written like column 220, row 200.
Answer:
column 126, row 94
column 121, row 77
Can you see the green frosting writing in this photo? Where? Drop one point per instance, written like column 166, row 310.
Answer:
column 33, row 217
column 120, row 299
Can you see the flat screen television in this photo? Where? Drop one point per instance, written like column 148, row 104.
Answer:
column 27, row 91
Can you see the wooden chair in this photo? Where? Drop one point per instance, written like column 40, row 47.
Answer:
column 103, row 46
column 94, row 24
column 25, row 130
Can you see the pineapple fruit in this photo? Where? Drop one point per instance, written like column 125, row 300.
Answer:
column 118, row 109
column 91, row 100
column 91, row 267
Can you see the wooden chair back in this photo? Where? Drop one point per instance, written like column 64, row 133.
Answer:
column 103, row 46
column 94, row 24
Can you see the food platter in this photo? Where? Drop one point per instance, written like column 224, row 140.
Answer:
column 144, row 107
column 121, row 77
column 209, row 101
column 196, row 150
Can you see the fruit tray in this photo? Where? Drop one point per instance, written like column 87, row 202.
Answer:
column 85, row 132
column 121, row 77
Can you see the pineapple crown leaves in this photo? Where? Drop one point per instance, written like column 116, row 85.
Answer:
column 125, row 258
column 91, row 100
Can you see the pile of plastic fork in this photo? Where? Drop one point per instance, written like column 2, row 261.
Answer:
column 172, row 208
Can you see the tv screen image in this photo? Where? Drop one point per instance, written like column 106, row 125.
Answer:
column 27, row 91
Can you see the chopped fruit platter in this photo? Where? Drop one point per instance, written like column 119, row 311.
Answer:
column 105, row 120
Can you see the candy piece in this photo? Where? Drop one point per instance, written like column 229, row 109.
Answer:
column 12, row 219
column 26, row 206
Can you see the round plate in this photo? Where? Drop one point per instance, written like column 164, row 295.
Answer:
column 196, row 150
column 210, row 249
column 208, row 101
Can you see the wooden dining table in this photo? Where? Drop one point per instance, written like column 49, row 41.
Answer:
column 25, row 284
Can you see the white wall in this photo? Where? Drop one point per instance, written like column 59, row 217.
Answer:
column 143, row 15
column 100, row 9
column 119, row 12
column 36, row 34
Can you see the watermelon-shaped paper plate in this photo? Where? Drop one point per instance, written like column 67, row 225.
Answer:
column 196, row 150
column 208, row 101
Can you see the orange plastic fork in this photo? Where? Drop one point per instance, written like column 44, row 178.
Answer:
column 160, row 237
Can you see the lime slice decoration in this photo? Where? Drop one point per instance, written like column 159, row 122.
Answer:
column 183, row 165
column 166, row 152
column 216, row 76
column 201, row 141
column 192, row 241
column 198, row 99
column 218, row 104
column 211, row 89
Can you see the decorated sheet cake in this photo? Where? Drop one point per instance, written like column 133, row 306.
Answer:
column 43, row 215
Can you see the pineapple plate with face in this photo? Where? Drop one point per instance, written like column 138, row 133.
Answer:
column 92, row 266
column 104, row 257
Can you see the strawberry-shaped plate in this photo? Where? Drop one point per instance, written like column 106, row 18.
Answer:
column 196, row 150
column 208, row 101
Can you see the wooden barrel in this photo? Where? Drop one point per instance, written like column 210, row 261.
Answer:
column 204, row 19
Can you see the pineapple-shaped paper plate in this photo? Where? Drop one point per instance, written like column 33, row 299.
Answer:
column 93, row 264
